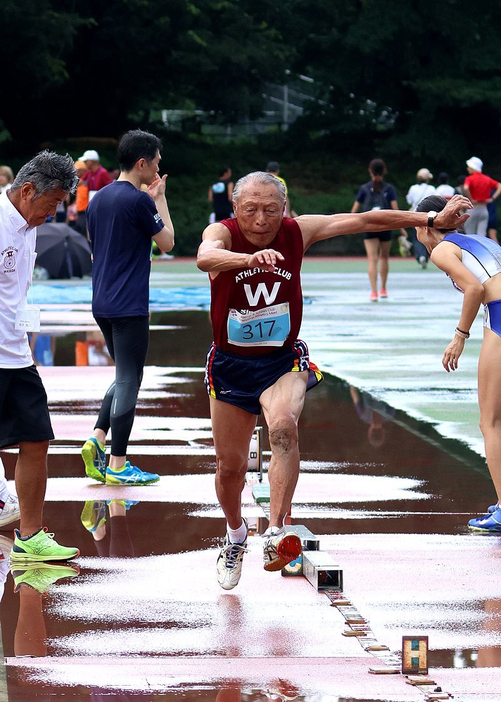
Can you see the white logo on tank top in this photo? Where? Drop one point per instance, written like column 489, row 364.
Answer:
column 269, row 298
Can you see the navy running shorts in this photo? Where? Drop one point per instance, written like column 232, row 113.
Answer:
column 382, row 236
column 240, row 380
column 24, row 414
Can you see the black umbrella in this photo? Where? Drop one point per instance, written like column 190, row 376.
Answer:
column 79, row 250
column 62, row 251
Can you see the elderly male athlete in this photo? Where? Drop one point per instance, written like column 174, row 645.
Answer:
column 257, row 363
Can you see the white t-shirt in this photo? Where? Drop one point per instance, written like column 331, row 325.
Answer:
column 17, row 261
column 445, row 190
column 418, row 192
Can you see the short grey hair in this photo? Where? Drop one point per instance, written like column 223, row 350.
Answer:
column 46, row 172
column 258, row 178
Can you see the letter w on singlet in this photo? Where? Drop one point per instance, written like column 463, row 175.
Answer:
column 269, row 298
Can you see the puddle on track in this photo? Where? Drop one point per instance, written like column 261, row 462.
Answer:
column 366, row 469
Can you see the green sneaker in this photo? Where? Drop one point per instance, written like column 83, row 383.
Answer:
column 93, row 515
column 40, row 576
column 94, row 457
column 40, row 547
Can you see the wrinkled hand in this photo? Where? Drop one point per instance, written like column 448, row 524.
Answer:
column 157, row 186
column 452, row 354
column 450, row 216
column 265, row 259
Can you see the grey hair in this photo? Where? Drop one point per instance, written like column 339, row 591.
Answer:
column 46, row 172
column 258, row 178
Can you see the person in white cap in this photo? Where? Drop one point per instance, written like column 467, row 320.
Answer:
column 478, row 188
column 418, row 192
column 97, row 176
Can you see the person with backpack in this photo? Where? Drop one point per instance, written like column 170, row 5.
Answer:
column 377, row 195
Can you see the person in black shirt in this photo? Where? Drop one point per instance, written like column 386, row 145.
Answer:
column 220, row 194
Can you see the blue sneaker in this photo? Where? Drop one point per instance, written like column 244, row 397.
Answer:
column 130, row 475
column 492, row 508
column 94, row 458
column 488, row 523
column 126, row 503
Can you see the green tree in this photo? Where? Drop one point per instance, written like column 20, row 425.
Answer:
column 427, row 72
column 87, row 70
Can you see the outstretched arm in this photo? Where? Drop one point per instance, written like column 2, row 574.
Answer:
column 215, row 254
column 318, row 227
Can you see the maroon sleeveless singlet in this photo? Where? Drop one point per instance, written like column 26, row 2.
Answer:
column 254, row 312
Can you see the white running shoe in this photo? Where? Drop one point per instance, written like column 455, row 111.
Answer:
column 10, row 512
column 229, row 562
column 280, row 547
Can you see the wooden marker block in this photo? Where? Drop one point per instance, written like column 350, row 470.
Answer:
column 353, row 632
column 414, row 655
column 384, row 670
column 420, row 680
column 377, row 647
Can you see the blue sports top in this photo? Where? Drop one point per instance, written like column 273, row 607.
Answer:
column 121, row 220
column 480, row 255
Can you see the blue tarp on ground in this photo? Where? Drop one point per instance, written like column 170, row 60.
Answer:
column 166, row 298
column 163, row 298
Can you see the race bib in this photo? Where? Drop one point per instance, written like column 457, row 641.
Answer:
column 269, row 326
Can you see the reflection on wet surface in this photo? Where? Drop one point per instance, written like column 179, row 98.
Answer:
column 142, row 617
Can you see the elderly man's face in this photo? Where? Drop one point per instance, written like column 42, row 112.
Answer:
column 259, row 211
column 36, row 210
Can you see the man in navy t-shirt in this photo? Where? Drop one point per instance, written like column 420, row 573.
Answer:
column 122, row 221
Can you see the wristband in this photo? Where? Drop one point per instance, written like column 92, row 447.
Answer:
column 462, row 334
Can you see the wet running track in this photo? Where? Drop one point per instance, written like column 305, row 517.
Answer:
column 142, row 617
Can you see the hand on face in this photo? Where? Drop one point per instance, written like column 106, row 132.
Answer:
column 157, row 186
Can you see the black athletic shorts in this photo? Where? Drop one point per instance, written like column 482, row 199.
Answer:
column 240, row 380
column 24, row 414
column 382, row 236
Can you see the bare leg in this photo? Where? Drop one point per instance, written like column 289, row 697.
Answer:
column 282, row 404
column 100, row 435
column 232, row 429
column 489, row 399
column 31, row 636
column 372, row 250
column 384, row 261
column 31, row 482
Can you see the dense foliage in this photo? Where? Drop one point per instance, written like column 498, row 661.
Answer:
column 425, row 74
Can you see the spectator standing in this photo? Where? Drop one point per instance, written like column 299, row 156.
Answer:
column 478, row 189
column 493, row 223
column 96, row 176
column 82, row 198
column 122, row 222
column 377, row 195
column 418, row 192
column 220, row 194
column 6, row 178
column 443, row 188
column 38, row 188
